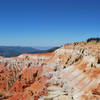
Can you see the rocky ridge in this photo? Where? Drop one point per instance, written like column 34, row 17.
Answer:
column 72, row 72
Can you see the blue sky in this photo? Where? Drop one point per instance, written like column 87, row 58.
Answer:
column 48, row 22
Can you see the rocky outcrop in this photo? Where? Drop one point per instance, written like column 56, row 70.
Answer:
column 56, row 93
column 72, row 72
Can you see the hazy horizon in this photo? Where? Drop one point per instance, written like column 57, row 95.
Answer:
column 34, row 47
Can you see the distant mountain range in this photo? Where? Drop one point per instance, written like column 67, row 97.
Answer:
column 11, row 51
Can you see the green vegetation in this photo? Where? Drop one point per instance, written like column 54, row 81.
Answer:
column 93, row 40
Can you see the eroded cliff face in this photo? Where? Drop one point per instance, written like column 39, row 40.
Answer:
column 21, row 77
column 72, row 72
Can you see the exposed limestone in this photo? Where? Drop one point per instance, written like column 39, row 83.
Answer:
column 72, row 72
column 56, row 93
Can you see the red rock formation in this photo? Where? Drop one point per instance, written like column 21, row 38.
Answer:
column 74, row 67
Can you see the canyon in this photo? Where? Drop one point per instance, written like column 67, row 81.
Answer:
column 72, row 72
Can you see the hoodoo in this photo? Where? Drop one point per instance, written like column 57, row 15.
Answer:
column 72, row 72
